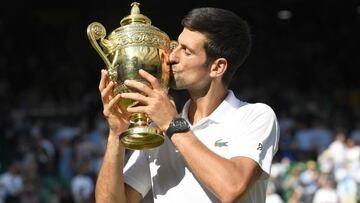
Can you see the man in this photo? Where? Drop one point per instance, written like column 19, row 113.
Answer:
column 222, row 149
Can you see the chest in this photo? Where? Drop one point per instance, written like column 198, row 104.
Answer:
column 217, row 136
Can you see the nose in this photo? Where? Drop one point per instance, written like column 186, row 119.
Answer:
column 174, row 55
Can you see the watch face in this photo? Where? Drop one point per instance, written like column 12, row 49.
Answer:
column 181, row 124
column 177, row 125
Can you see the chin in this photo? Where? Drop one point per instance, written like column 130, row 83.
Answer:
column 175, row 86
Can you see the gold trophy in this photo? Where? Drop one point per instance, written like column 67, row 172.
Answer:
column 135, row 45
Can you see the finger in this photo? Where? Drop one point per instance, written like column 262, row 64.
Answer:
column 172, row 100
column 108, row 109
column 136, row 109
column 135, row 96
column 114, row 102
column 150, row 78
column 106, row 93
column 103, row 79
column 139, row 87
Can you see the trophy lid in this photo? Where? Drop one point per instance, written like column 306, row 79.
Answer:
column 135, row 16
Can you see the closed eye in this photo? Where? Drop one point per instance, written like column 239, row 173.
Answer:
column 187, row 52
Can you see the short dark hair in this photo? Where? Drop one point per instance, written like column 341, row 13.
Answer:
column 228, row 36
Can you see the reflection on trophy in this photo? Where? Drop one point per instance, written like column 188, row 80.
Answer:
column 135, row 45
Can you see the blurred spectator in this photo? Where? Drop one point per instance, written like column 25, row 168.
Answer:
column 321, row 135
column 333, row 157
column 296, row 196
column 11, row 184
column 66, row 161
column 337, row 149
column 305, row 145
column 291, row 183
column 286, row 142
column 355, row 133
column 346, row 186
column 82, row 185
column 309, row 180
column 278, row 173
column 326, row 193
column 271, row 195
column 352, row 155
column 31, row 176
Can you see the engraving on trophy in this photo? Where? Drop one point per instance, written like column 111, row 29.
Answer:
column 140, row 35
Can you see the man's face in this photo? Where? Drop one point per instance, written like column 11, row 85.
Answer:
column 188, row 62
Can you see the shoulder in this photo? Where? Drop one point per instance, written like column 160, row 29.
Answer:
column 256, row 111
column 237, row 110
column 262, row 108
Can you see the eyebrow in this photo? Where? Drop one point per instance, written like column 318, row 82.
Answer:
column 187, row 47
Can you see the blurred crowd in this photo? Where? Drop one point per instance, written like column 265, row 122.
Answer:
column 53, row 134
column 316, row 164
column 51, row 154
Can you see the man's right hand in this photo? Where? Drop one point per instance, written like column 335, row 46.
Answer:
column 116, row 118
column 110, row 186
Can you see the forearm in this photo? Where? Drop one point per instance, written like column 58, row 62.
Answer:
column 110, row 182
column 225, row 178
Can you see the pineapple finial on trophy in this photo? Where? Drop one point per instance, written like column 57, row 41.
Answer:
column 135, row 16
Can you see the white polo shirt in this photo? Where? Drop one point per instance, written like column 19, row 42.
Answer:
column 235, row 128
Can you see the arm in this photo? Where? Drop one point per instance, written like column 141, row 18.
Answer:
column 228, row 179
column 110, row 186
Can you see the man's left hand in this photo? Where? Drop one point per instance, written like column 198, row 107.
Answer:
column 156, row 103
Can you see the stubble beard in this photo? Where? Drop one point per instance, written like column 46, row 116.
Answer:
column 176, row 84
column 173, row 84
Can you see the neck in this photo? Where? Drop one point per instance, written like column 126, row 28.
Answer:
column 203, row 103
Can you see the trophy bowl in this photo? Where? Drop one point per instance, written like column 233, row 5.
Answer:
column 135, row 45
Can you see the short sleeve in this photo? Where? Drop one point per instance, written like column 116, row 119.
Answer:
column 257, row 136
column 137, row 172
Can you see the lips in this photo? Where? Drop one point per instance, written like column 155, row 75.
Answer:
column 172, row 68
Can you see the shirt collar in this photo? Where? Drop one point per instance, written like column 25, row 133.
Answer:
column 229, row 104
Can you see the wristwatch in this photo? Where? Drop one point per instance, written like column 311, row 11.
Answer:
column 177, row 125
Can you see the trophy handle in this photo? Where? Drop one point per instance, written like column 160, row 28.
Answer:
column 96, row 31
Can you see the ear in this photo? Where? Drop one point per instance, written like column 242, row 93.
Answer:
column 218, row 67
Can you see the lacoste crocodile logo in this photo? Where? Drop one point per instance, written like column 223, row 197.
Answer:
column 219, row 143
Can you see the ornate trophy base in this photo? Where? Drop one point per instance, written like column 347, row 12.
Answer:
column 141, row 136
